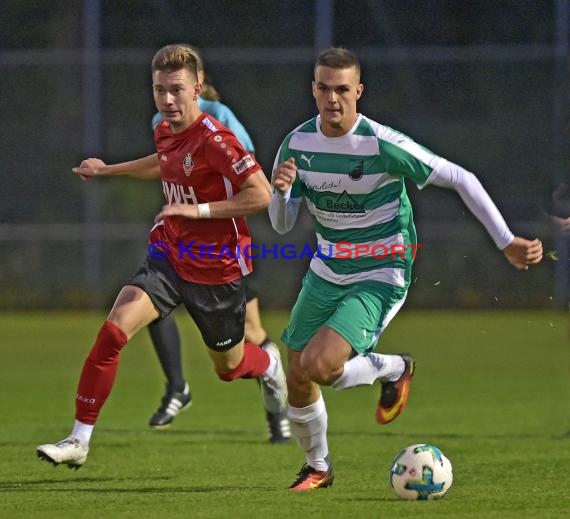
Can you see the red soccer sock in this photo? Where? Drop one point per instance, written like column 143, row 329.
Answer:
column 254, row 363
column 99, row 373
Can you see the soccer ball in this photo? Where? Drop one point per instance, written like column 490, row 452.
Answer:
column 421, row 472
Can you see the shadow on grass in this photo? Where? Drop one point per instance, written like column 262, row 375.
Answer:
column 452, row 436
column 369, row 499
column 182, row 432
column 71, row 486
column 245, row 436
column 32, row 483
column 190, row 437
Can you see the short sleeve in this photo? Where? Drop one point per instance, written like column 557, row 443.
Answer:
column 228, row 157
column 405, row 158
column 408, row 160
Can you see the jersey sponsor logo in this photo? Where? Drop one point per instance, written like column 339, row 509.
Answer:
column 177, row 194
column 307, row 159
column 188, row 164
column 336, row 203
column 243, row 165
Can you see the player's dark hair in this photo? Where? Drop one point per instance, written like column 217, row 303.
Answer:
column 176, row 57
column 338, row 58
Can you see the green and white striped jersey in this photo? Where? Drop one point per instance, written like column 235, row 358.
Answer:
column 355, row 191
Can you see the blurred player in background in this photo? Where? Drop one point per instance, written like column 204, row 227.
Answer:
column 558, row 209
column 351, row 172
column 164, row 332
column 558, row 213
column 210, row 183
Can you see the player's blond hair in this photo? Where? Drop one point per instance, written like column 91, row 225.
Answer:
column 338, row 58
column 176, row 57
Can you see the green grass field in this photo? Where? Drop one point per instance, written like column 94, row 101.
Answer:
column 492, row 390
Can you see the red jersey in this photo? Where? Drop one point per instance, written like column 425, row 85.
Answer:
column 204, row 163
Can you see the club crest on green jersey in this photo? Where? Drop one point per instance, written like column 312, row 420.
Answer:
column 356, row 169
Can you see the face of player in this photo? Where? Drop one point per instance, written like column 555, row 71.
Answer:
column 336, row 92
column 176, row 94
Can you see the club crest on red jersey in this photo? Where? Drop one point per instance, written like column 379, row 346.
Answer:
column 187, row 164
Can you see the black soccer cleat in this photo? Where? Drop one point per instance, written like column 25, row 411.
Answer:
column 279, row 427
column 172, row 403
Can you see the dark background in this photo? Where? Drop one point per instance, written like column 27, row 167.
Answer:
column 484, row 84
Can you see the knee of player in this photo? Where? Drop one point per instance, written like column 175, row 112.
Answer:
column 227, row 375
column 323, row 377
column 228, row 371
column 318, row 371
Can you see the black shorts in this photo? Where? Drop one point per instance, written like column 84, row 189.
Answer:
column 251, row 290
column 217, row 310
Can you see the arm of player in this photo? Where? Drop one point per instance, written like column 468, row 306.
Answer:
column 283, row 210
column 520, row 252
column 253, row 196
column 146, row 168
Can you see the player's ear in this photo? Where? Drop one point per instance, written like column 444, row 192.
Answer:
column 314, row 85
column 359, row 91
column 197, row 90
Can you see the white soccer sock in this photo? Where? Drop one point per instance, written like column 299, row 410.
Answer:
column 82, row 431
column 364, row 370
column 309, row 426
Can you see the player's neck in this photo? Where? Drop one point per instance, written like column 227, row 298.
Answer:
column 337, row 129
column 188, row 121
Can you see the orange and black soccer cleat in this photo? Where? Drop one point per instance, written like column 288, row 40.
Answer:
column 394, row 395
column 310, row 479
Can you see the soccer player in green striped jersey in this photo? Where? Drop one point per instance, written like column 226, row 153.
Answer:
column 351, row 172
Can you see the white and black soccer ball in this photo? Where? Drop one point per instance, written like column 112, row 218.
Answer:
column 421, row 472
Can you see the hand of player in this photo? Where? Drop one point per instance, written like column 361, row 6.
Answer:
column 186, row 210
column 521, row 252
column 89, row 168
column 284, row 175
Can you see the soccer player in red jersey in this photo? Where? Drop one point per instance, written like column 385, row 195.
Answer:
column 198, row 254
column 164, row 332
